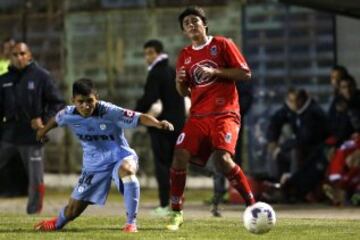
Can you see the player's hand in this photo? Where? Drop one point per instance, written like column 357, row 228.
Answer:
column 41, row 136
column 207, row 71
column 274, row 150
column 37, row 123
column 165, row 125
column 181, row 75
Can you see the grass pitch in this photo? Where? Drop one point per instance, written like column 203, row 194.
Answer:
column 92, row 227
column 293, row 222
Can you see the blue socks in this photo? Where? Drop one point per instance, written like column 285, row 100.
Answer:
column 131, row 197
column 61, row 220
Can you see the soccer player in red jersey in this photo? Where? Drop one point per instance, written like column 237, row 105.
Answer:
column 344, row 173
column 207, row 71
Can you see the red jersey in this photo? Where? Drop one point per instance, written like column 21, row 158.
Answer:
column 337, row 164
column 212, row 95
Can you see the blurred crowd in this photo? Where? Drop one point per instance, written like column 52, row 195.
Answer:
column 313, row 153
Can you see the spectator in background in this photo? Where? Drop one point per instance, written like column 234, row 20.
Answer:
column 160, row 85
column 279, row 147
column 337, row 117
column 337, row 72
column 28, row 98
column 5, row 54
column 350, row 94
column 343, row 172
column 309, row 126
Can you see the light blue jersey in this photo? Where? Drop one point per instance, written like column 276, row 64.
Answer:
column 102, row 134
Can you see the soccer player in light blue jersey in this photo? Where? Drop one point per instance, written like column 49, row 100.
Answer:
column 107, row 156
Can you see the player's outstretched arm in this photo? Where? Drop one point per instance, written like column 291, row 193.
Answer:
column 41, row 132
column 150, row 121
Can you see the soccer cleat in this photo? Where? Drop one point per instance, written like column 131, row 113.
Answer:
column 176, row 220
column 46, row 225
column 130, row 228
column 215, row 211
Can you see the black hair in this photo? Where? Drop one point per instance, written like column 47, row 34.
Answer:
column 195, row 10
column 83, row 86
column 291, row 90
column 302, row 95
column 341, row 69
column 156, row 44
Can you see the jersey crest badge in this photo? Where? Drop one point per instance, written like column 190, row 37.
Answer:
column 103, row 126
column 213, row 50
column 228, row 137
column 129, row 113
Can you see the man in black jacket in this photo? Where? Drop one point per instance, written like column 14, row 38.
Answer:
column 307, row 161
column 28, row 97
column 160, row 85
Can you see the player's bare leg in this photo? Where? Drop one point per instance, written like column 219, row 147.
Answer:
column 67, row 214
column 225, row 164
column 131, row 194
column 177, row 186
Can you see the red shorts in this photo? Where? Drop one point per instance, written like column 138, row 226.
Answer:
column 202, row 135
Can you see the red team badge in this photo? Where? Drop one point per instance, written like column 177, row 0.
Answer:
column 129, row 113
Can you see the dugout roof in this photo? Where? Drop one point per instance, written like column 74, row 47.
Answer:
column 349, row 8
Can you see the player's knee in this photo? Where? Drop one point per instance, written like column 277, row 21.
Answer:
column 223, row 161
column 126, row 169
column 181, row 159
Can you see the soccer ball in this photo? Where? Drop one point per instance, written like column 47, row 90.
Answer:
column 259, row 218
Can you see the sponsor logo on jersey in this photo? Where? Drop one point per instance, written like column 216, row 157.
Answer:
column 90, row 138
column 199, row 77
column 187, row 60
column 213, row 50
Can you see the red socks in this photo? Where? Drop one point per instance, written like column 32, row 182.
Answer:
column 236, row 178
column 239, row 181
column 177, row 186
column 41, row 190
